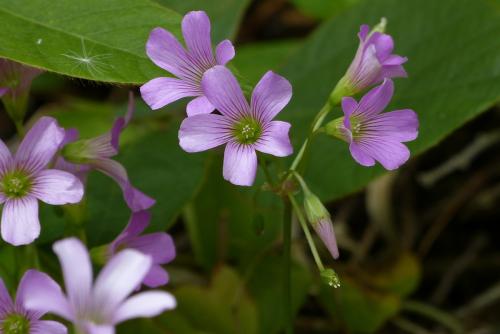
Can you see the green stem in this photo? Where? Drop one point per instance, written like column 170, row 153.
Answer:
column 305, row 228
column 19, row 128
column 287, row 264
column 316, row 125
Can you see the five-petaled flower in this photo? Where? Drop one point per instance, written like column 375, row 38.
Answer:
column 95, row 308
column 244, row 128
column 25, row 179
column 16, row 319
column 373, row 62
column 159, row 246
column 373, row 135
column 188, row 65
column 81, row 156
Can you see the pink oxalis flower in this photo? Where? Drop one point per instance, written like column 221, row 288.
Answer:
column 373, row 61
column 374, row 135
column 16, row 319
column 25, row 179
column 243, row 128
column 188, row 65
column 81, row 156
column 160, row 246
column 95, row 308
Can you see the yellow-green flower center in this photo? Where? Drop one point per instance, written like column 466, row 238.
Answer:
column 15, row 324
column 247, row 131
column 15, row 184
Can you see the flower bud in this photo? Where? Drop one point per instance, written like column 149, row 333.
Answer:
column 320, row 220
column 372, row 63
column 15, row 82
column 330, row 277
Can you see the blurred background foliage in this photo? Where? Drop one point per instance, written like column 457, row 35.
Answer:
column 418, row 246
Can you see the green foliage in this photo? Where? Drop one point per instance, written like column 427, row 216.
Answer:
column 323, row 9
column 447, row 85
column 91, row 39
column 225, row 15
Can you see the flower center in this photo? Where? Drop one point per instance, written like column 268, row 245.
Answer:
column 15, row 324
column 247, row 131
column 15, row 184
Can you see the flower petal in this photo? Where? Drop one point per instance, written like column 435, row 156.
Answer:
column 160, row 246
column 136, row 200
column 145, row 305
column 41, row 293
column 240, row 164
column 270, row 96
column 165, row 51
column 156, row 277
column 196, row 31
column 199, row 105
column 360, row 155
column 3, row 90
column 159, row 92
column 47, row 327
column 40, row 144
column 77, row 271
column 324, row 229
column 91, row 328
column 56, row 187
column 121, row 275
column 5, row 157
column 390, row 154
column 6, row 304
column 203, row 132
column 224, row 92
column 375, row 101
column 137, row 224
column 224, row 52
column 20, row 224
column 275, row 139
column 349, row 105
column 398, row 125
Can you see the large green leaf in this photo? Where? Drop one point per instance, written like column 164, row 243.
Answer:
column 225, row 15
column 91, row 39
column 454, row 74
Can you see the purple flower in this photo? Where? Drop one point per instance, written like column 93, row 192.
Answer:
column 244, row 128
column 3, row 90
column 373, row 135
column 80, row 156
column 15, row 319
column 373, row 61
column 24, row 179
column 96, row 307
column 159, row 246
column 188, row 65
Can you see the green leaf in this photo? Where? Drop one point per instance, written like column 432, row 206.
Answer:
column 323, row 9
column 359, row 309
column 91, row 39
column 253, row 60
column 454, row 72
column 266, row 286
column 225, row 15
column 222, row 308
column 222, row 219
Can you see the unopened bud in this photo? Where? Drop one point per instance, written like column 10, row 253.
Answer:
column 319, row 217
column 330, row 277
